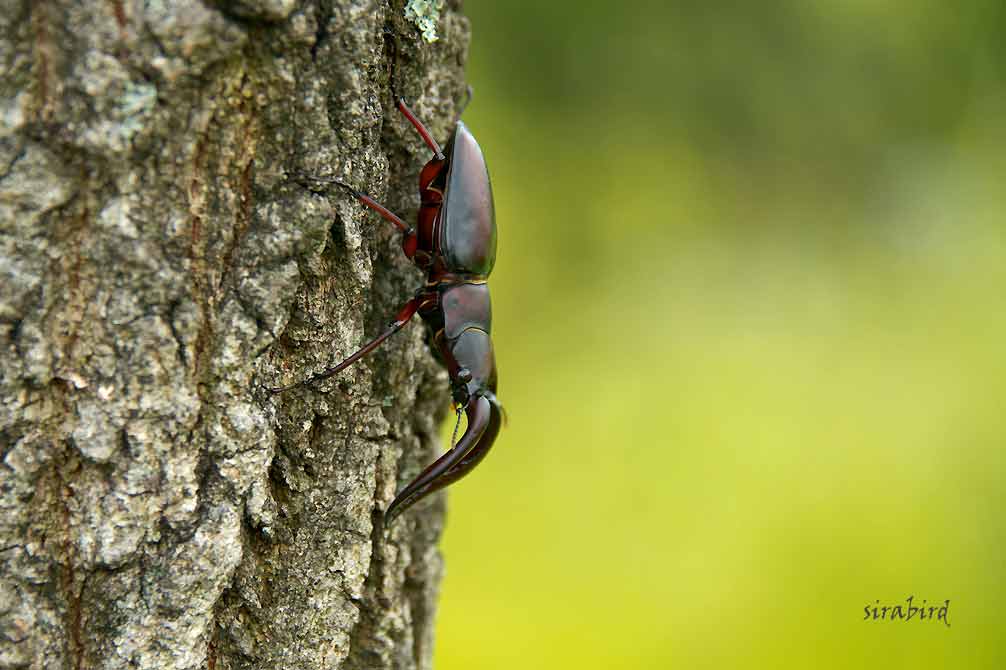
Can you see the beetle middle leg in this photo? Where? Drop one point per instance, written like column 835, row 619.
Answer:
column 402, row 318
column 385, row 213
column 410, row 241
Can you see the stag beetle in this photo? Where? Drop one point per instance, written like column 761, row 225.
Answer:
column 455, row 244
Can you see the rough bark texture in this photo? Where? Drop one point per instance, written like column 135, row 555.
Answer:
column 161, row 265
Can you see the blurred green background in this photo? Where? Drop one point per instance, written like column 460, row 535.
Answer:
column 750, row 317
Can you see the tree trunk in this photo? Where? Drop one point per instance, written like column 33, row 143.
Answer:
column 164, row 261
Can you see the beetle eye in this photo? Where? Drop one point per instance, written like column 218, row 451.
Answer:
column 464, row 375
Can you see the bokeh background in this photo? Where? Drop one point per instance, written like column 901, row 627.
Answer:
column 750, row 315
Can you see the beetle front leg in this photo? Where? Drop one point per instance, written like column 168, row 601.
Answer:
column 421, row 129
column 402, row 318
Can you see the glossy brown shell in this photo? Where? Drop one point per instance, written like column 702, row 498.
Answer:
column 466, row 306
column 468, row 218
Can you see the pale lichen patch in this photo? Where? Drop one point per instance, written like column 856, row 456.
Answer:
column 425, row 14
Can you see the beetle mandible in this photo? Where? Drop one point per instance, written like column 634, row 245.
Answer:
column 454, row 243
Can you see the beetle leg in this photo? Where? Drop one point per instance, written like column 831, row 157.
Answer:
column 469, row 93
column 396, row 325
column 421, row 129
column 411, row 241
column 437, row 474
column 385, row 213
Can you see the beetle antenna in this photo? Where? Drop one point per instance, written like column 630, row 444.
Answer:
column 457, row 424
column 469, row 92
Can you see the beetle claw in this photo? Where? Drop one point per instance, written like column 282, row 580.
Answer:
column 498, row 406
column 497, row 417
column 441, row 472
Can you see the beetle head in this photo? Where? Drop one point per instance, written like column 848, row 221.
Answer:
column 473, row 369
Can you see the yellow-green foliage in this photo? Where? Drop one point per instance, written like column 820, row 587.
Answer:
column 750, row 317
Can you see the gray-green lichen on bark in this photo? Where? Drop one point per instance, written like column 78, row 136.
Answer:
column 161, row 264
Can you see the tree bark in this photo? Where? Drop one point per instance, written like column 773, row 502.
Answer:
column 162, row 264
